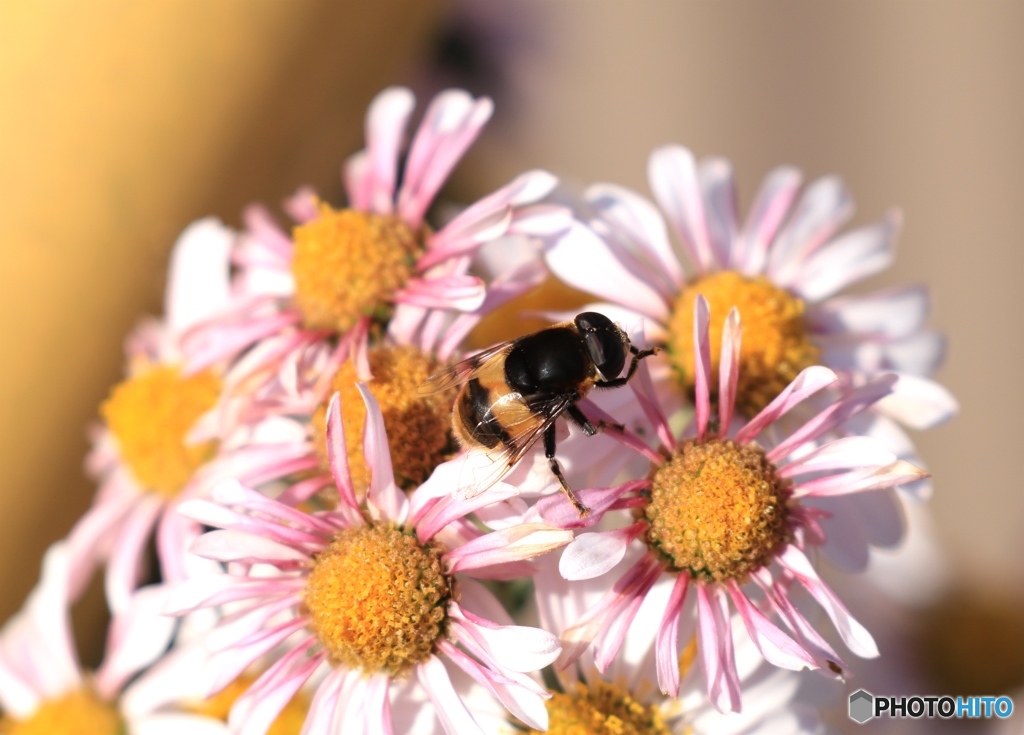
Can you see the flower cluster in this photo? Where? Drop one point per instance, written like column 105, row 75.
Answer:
column 301, row 438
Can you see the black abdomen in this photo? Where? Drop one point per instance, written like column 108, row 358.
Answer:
column 478, row 420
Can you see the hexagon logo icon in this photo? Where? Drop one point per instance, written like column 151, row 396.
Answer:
column 862, row 706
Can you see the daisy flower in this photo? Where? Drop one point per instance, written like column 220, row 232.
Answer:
column 627, row 691
column 784, row 268
column 726, row 513
column 281, row 427
column 45, row 691
column 377, row 263
column 369, row 293
column 369, row 595
column 145, row 456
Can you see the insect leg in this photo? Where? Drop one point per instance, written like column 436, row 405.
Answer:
column 638, row 355
column 556, row 470
column 580, row 419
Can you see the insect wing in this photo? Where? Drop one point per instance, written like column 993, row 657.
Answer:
column 483, row 467
column 461, row 372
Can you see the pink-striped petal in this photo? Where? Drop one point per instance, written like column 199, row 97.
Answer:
column 322, row 709
column 821, row 211
column 809, row 638
column 517, row 543
column 672, row 173
column 515, row 647
column 378, row 706
column 842, row 410
column 449, row 509
column 383, row 494
column 385, row 126
column 337, row 454
column 451, row 124
column 89, row 535
column 854, row 635
column 721, row 209
column 459, row 293
column 302, row 205
column 807, row 383
column 858, row 481
column 226, row 666
column 776, row 647
column 729, row 370
column 638, row 221
column 137, row 637
column 589, row 262
column 507, row 210
column 217, row 589
column 846, row 453
column 233, row 493
column 702, row 365
column 125, row 567
column 255, row 711
column 450, row 708
column 245, row 548
column 846, row 260
column 667, row 643
column 610, row 639
column 713, row 628
column 769, row 210
column 358, row 181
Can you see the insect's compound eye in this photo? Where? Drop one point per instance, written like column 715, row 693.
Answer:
column 607, row 350
column 592, row 321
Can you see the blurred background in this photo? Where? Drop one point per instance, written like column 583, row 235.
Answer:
column 121, row 122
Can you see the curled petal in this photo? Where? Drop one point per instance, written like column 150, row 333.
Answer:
column 593, row 554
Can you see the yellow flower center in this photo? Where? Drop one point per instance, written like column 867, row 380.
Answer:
column 418, row 426
column 378, row 599
column 717, row 510
column 218, row 707
column 602, row 709
column 348, row 264
column 776, row 346
column 151, row 414
column 75, row 713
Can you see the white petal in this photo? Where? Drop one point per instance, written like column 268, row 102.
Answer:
column 672, row 173
column 199, row 281
column 520, row 648
column 640, row 223
column 848, row 259
column 585, row 260
column 449, row 706
column 919, row 403
column 592, row 554
column 892, row 312
column 238, row 546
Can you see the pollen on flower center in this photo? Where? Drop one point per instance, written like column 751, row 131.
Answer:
column 77, row 712
column 775, row 342
column 347, row 264
column 717, row 510
column 418, row 425
column 378, row 599
column 151, row 415
column 601, row 709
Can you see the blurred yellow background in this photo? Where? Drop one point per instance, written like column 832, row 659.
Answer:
column 120, row 122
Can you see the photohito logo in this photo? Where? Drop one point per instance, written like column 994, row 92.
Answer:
column 864, row 705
